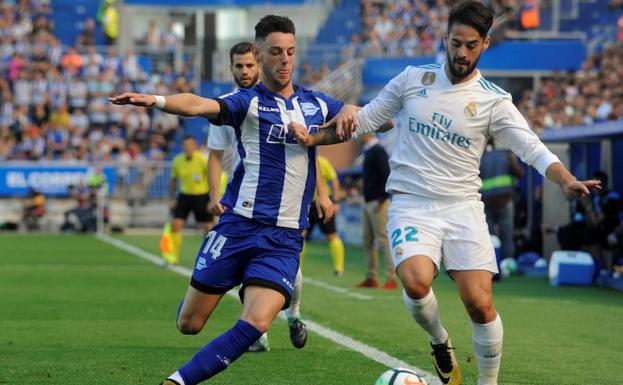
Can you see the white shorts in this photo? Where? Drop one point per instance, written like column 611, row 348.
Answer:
column 453, row 232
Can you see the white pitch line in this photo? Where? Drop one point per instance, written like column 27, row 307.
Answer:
column 332, row 335
column 336, row 289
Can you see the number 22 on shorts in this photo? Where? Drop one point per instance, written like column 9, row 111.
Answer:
column 409, row 235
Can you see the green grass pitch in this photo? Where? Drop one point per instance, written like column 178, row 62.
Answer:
column 76, row 311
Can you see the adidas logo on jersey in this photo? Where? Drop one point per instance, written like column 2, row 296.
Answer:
column 422, row 93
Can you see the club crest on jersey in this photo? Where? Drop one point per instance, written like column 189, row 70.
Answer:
column 428, row 78
column 309, row 109
column 201, row 264
column 470, row 109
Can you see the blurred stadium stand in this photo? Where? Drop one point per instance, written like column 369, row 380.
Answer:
column 564, row 75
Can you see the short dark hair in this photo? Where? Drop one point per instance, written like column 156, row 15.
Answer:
column 602, row 176
column 239, row 49
column 472, row 13
column 187, row 136
column 272, row 23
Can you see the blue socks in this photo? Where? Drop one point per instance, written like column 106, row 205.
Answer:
column 219, row 353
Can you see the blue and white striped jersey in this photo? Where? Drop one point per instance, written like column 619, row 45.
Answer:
column 275, row 180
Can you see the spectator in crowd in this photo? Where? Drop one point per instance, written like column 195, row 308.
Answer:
column 498, row 167
column 87, row 36
column 34, row 209
column 374, row 216
column 593, row 220
column 109, row 17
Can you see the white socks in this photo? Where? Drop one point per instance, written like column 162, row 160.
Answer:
column 425, row 311
column 294, row 311
column 487, row 340
column 177, row 378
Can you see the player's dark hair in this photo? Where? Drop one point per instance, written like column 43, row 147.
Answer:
column 188, row 137
column 472, row 13
column 602, row 176
column 272, row 23
column 239, row 49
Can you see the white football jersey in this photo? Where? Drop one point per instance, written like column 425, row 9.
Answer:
column 224, row 138
column 445, row 128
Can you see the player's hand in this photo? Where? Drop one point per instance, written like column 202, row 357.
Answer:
column 580, row 188
column 336, row 208
column 133, row 99
column 215, row 208
column 301, row 134
column 324, row 206
column 345, row 122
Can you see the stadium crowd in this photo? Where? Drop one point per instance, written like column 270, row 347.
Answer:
column 417, row 27
column 53, row 99
column 590, row 95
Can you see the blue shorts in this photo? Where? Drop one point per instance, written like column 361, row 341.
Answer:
column 240, row 250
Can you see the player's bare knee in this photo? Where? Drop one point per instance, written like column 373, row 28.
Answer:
column 186, row 325
column 260, row 324
column 481, row 310
column 416, row 289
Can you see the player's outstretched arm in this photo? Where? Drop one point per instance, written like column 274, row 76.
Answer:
column 179, row 104
column 345, row 122
column 323, row 136
column 573, row 188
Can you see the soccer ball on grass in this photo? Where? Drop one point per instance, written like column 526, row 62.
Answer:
column 400, row 376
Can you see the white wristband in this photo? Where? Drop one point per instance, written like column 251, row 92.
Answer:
column 160, row 102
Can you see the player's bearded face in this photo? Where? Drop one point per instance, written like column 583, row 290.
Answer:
column 245, row 70
column 278, row 58
column 464, row 47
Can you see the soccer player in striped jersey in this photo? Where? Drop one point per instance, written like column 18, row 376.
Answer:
column 449, row 112
column 223, row 160
column 258, row 239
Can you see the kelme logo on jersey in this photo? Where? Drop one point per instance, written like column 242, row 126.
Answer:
column 309, row 109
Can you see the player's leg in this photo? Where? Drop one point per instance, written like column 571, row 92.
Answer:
column 416, row 233
column 336, row 246
column 180, row 213
column 218, row 267
column 369, row 248
column 470, row 259
column 416, row 274
column 261, row 306
column 298, row 329
column 176, row 237
column 487, row 330
column 195, row 310
column 379, row 226
column 506, row 218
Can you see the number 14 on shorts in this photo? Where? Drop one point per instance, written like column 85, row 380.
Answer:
column 214, row 244
column 405, row 234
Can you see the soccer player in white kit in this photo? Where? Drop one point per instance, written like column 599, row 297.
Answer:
column 436, row 215
column 224, row 156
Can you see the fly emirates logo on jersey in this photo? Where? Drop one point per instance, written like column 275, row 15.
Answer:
column 439, row 129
